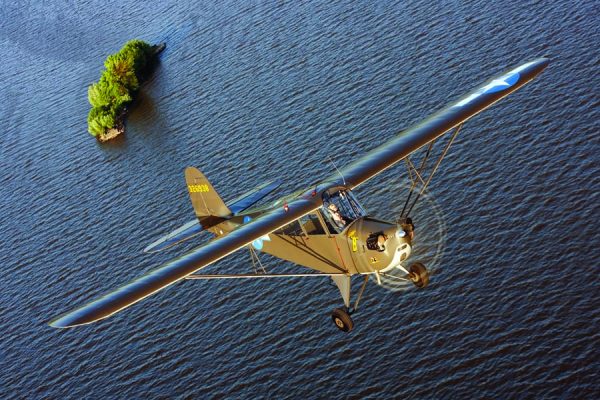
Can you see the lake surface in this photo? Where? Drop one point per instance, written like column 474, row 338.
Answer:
column 254, row 91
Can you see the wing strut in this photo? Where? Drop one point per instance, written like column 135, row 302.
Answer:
column 256, row 264
column 418, row 173
column 246, row 276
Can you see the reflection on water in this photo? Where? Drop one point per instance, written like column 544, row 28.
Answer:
column 143, row 113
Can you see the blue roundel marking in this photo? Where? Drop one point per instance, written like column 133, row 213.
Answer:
column 258, row 244
column 502, row 83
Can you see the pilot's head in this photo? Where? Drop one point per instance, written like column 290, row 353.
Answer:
column 333, row 209
column 335, row 214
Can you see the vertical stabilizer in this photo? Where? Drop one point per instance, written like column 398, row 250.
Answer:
column 208, row 205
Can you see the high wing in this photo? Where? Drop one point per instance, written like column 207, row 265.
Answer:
column 187, row 264
column 439, row 123
column 352, row 175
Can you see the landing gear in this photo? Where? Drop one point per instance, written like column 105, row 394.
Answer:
column 341, row 316
column 341, row 319
column 418, row 275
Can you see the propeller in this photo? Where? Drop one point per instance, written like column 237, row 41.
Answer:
column 427, row 247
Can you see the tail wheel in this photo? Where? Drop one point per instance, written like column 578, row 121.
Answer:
column 418, row 275
column 342, row 319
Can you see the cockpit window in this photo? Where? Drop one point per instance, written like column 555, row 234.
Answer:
column 340, row 209
column 309, row 223
column 312, row 225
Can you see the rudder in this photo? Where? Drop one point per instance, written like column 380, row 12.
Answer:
column 208, row 205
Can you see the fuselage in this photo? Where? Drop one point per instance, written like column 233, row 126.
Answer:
column 348, row 241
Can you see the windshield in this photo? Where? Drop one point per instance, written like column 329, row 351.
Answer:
column 340, row 209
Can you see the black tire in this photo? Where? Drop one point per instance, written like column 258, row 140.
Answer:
column 342, row 320
column 418, row 275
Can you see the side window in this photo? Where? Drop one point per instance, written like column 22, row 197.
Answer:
column 340, row 208
column 292, row 229
column 312, row 225
column 355, row 205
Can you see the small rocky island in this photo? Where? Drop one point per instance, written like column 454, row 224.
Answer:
column 119, row 84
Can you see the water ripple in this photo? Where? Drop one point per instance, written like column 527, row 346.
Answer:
column 255, row 91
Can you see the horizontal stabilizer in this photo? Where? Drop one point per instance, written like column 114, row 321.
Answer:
column 252, row 197
column 182, row 234
column 193, row 228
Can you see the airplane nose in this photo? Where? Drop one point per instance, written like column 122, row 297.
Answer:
column 405, row 230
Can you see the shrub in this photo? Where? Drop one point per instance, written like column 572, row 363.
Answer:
column 138, row 51
column 100, row 120
column 108, row 93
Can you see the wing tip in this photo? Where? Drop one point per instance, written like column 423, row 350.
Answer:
column 543, row 61
column 59, row 323
column 75, row 318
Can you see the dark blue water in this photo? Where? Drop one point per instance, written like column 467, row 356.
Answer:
column 252, row 91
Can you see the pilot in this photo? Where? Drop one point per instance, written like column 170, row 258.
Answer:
column 340, row 220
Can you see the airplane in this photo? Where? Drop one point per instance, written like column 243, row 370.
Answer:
column 323, row 227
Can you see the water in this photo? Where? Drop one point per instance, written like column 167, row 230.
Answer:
column 252, row 91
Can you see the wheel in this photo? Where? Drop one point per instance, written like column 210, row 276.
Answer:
column 418, row 275
column 342, row 319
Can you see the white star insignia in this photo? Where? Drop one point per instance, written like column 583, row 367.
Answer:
column 496, row 83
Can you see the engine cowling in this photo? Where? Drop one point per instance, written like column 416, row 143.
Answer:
column 378, row 245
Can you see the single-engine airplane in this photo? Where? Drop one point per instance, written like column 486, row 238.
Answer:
column 323, row 228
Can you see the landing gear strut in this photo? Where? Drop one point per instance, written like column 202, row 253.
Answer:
column 341, row 316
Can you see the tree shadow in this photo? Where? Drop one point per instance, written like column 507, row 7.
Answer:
column 143, row 115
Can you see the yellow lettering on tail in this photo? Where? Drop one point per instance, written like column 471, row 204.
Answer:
column 198, row 188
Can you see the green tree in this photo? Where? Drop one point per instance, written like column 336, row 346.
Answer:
column 117, row 85
column 108, row 93
column 139, row 51
column 121, row 69
column 100, row 120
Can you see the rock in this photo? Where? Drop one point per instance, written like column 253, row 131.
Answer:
column 111, row 134
column 158, row 48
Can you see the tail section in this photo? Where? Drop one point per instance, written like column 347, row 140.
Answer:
column 208, row 205
column 211, row 212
